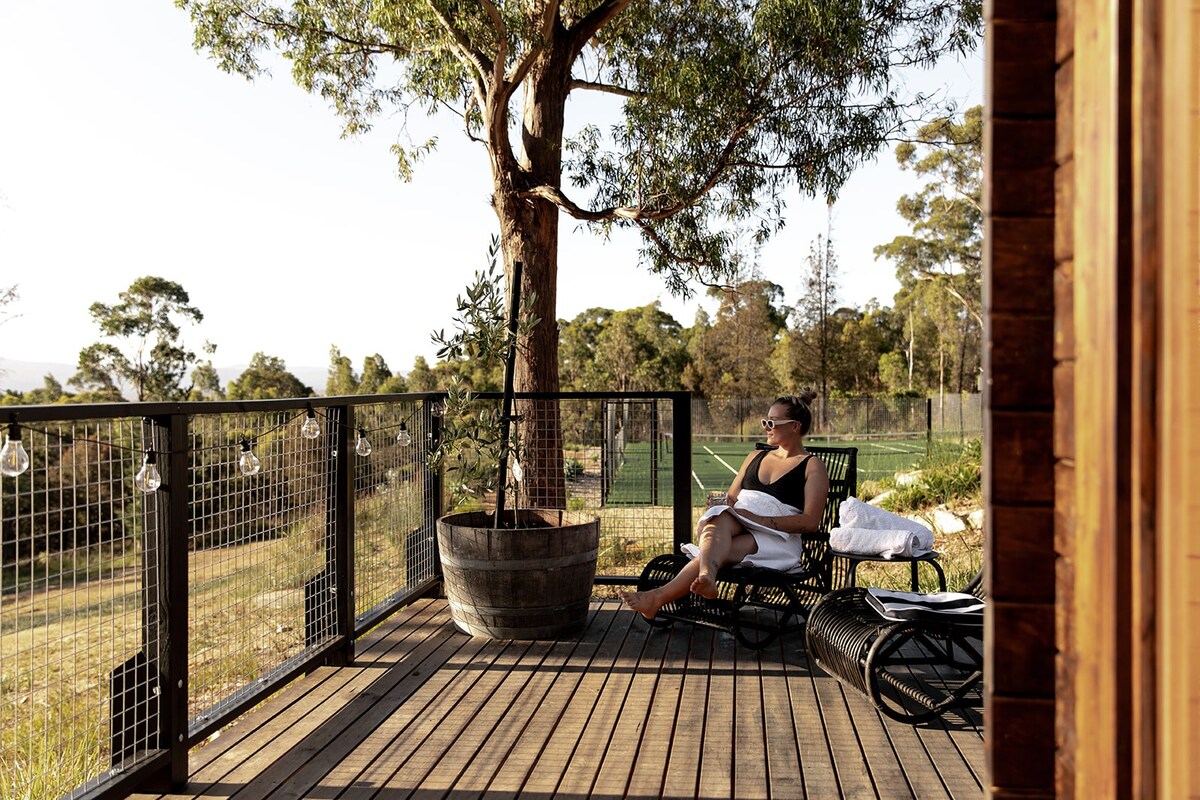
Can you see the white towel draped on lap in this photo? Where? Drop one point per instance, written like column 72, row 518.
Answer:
column 755, row 502
column 868, row 530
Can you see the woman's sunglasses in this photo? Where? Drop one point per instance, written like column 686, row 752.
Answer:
column 770, row 424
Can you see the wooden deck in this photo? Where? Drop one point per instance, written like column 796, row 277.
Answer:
column 625, row 711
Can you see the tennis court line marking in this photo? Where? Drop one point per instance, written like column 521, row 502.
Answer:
column 708, row 450
column 894, row 449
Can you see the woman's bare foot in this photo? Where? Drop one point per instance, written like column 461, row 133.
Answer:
column 645, row 603
column 705, row 584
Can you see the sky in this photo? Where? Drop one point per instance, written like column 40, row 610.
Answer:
column 124, row 152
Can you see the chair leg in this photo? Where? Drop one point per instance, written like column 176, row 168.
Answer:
column 900, row 690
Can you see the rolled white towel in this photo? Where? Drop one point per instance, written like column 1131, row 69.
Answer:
column 884, row 543
column 854, row 513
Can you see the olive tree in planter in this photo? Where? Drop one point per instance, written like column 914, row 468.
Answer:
column 519, row 573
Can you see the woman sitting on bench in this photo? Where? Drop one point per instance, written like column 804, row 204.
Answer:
column 778, row 492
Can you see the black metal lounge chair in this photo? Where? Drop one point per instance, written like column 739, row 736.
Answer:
column 912, row 670
column 756, row 604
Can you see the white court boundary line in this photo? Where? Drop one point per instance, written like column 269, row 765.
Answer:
column 708, row 450
column 724, row 463
column 892, row 449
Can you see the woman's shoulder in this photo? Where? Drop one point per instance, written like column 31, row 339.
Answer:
column 757, row 452
column 814, row 466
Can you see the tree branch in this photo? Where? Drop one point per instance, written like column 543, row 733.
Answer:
column 549, row 18
column 555, row 194
column 693, row 264
column 949, row 287
column 590, row 25
column 604, row 87
column 501, row 41
column 465, row 51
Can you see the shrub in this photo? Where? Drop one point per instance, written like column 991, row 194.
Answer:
column 949, row 474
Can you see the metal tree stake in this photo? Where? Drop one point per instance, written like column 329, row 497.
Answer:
column 510, row 363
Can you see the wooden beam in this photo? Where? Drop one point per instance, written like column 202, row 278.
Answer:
column 1099, row 605
column 1178, row 501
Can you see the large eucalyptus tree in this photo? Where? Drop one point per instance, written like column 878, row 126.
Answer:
column 726, row 105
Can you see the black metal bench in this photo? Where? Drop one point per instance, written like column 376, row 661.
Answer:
column 756, row 604
column 914, row 670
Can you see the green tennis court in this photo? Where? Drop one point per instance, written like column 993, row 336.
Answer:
column 716, row 461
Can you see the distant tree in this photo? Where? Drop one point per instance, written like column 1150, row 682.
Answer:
column 50, row 392
column 944, row 250
column 375, row 373
column 577, row 349
column 266, row 378
column 8, row 296
column 814, row 338
column 640, row 349
column 206, row 381
column 143, row 349
column 863, row 339
column 737, row 349
column 421, row 378
column 893, row 372
column 692, row 378
column 341, row 380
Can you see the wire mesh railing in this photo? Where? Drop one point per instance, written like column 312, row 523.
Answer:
column 137, row 616
column 75, row 569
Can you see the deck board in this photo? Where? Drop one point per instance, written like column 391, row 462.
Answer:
column 624, row 710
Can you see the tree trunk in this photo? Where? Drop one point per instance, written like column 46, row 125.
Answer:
column 529, row 233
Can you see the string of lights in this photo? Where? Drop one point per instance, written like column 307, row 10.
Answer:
column 14, row 459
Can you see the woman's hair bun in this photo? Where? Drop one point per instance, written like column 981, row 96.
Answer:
column 806, row 395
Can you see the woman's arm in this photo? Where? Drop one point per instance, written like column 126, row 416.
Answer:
column 735, row 488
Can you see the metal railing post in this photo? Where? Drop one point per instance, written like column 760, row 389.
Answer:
column 343, row 540
column 928, row 426
column 432, row 501
column 148, row 703
column 681, row 463
column 339, row 534
column 175, row 584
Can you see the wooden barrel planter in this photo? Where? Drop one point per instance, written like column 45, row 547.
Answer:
column 530, row 581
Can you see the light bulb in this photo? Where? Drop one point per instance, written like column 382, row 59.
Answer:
column 311, row 429
column 13, row 458
column 437, row 409
column 248, row 463
column 363, row 447
column 148, row 479
column 403, row 438
column 518, row 472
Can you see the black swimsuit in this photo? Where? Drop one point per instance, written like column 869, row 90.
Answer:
column 789, row 488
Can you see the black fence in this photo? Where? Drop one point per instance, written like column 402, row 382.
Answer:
column 168, row 566
column 945, row 416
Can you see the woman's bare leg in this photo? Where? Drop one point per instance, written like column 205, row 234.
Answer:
column 716, row 540
column 647, row 603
